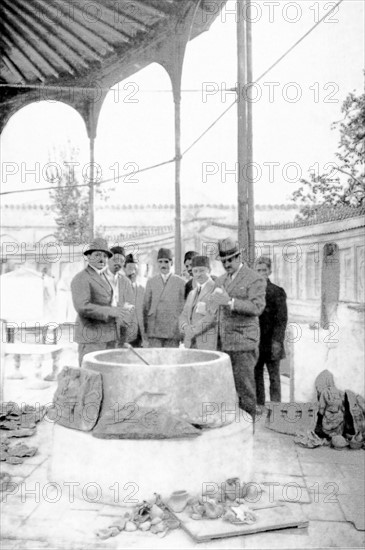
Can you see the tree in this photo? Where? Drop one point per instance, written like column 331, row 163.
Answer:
column 70, row 201
column 344, row 182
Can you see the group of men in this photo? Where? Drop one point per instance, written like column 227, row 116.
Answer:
column 225, row 313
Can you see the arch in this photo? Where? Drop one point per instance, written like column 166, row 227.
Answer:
column 26, row 165
column 136, row 117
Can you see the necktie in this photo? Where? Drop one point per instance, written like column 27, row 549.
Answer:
column 198, row 289
column 228, row 280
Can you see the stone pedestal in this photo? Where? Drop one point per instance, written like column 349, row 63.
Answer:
column 123, row 472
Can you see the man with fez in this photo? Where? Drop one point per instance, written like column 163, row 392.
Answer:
column 122, row 292
column 92, row 295
column 163, row 303
column 273, row 322
column 197, row 322
column 240, row 297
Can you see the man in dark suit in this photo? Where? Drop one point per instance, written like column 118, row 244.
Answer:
column 273, row 322
column 136, row 333
column 240, row 297
column 92, row 296
column 188, row 258
column 163, row 303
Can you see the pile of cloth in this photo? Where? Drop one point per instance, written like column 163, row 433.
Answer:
column 341, row 417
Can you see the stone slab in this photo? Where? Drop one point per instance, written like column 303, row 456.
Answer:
column 291, row 418
column 333, row 488
column 353, row 508
column 78, row 398
column 329, row 471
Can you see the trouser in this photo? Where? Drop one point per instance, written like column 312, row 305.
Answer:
column 163, row 342
column 243, row 366
column 273, row 368
column 95, row 346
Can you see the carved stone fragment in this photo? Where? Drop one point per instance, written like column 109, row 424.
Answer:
column 78, row 398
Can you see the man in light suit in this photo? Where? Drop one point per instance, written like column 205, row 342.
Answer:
column 241, row 299
column 136, row 334
column 197, row 322
column 122, row 292
column 163, row 303
column 92, row 296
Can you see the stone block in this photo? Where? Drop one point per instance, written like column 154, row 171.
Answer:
column 78, row 398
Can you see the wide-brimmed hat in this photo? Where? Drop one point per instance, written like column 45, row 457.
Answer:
column 200, row 261
column 98, row 245
column 164, row 254
column 227, row 248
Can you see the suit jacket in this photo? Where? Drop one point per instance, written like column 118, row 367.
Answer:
column 125, row 294
column 137, row 323
column 273, row 321
column 203, row 321
column 162, row 305
column 188, row 287
column 92, row 297
column 239, row 328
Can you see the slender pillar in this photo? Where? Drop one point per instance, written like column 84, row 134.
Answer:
column 178, row 252
column 250, row 189
column 92, row 190
column 242, row 145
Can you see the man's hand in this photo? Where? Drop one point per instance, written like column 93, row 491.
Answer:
column 188, row 332
column 219, row 298
column 276, row 348
column 124, row 314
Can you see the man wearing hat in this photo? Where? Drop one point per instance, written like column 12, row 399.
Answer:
column 163, row 303
column 240, row 299
column 92, row 296
column 197, row 322
column 135, row 332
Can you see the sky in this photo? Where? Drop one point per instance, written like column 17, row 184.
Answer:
column 293, row 109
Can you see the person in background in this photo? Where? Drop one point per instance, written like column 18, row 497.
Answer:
column 122, row 291
column 240, row 297
column 188, row 258
column 197, row 322
column 136, row 333
column 273, row 321
column 163, row 304
column 92, row 296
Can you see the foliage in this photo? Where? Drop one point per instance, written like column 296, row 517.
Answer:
column 343, row 184
column 70, row 202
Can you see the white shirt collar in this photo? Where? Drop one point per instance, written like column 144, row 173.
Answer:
column 236, row 272
column 165, row 277
column 199, row 286
column 99, row 271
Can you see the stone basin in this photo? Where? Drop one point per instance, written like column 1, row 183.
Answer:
column 196, row 385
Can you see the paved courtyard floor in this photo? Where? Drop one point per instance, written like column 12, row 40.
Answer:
column 326, row 485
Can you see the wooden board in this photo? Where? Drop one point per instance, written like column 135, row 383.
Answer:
column 269, row 518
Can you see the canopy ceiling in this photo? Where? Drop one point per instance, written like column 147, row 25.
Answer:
column 71, row 50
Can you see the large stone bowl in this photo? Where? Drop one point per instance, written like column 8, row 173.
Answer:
column 196, row 385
